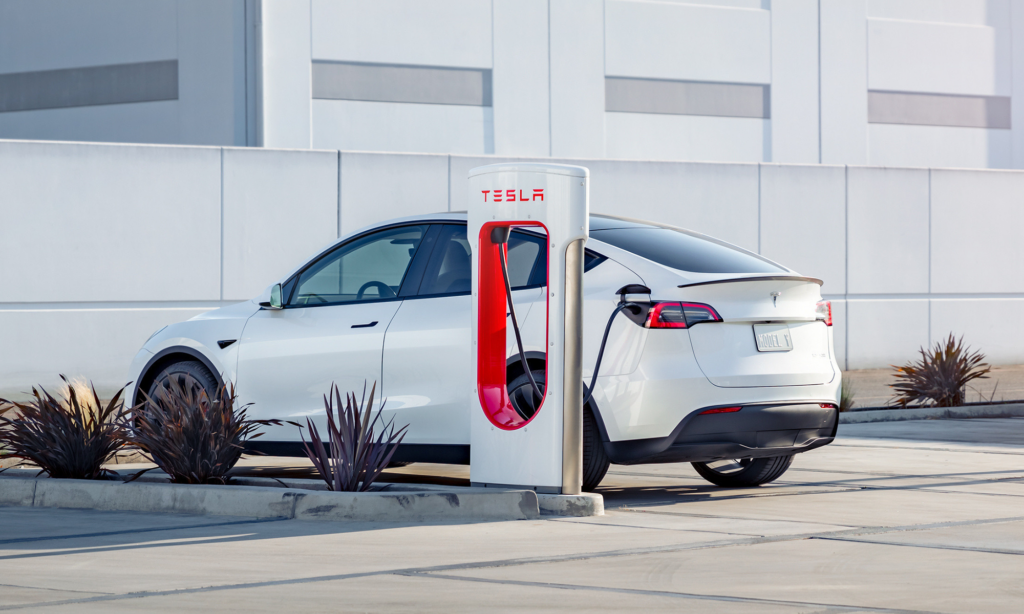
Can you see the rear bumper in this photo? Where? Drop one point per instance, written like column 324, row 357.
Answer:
column 756, row 431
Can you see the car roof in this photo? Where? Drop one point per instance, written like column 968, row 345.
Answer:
column 598, row 221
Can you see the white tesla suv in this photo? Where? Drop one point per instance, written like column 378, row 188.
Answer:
column 728, row 364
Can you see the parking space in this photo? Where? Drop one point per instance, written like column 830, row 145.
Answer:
column 917, row 516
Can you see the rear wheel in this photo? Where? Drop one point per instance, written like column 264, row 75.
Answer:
column 595, row 462
column 741, row 472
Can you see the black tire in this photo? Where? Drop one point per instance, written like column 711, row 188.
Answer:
column 745, row 472
column 595, row 461
column 194, row 373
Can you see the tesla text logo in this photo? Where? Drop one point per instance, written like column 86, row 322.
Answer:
column 509, row 196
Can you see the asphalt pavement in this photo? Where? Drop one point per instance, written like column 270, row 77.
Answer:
column 921, row 516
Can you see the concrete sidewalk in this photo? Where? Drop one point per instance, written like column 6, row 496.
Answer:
column 922, row 516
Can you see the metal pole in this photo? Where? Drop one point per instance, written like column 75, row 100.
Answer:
column 572, row 375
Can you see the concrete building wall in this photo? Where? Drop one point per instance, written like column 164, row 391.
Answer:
column 104, row 244
column 920, row 83
column 72, row 47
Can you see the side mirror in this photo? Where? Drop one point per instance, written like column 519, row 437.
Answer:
column 275, row 299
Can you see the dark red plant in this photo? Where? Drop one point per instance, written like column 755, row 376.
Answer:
column 941, row 375
column 69, row 437
column 193, row 438
column 354, row 455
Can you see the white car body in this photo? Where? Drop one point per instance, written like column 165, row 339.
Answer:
column 652, row 384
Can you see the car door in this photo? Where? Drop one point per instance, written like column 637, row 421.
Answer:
column 331, row 329
column 427, row 354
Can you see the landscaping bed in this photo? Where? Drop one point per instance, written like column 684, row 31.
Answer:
column 889, row 414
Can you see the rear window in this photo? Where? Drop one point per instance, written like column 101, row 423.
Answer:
column 686, row 252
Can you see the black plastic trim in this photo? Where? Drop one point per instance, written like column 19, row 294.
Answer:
column 414, row 277
column 223, row 343
column 448, row 454
column 764, row 278
column 657, row 449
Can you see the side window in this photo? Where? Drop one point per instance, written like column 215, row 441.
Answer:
column 450, row 268
column 369, row 268
column 451, row 265
column 527, row 260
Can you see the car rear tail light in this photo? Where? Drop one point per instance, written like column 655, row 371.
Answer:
column 680, row 315
column 720, row 410
column 666, row 315
column 823, row 311
column 827, row 405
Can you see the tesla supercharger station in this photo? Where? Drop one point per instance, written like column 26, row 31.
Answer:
column 545, row 451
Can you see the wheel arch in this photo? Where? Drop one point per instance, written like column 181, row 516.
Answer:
column 169, row 356
column 537, row 360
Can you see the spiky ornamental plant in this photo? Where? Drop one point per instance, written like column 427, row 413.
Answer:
column 354, row 455
column 940, row 376
column 846, row 397
column 68, row 436
column 193, row 438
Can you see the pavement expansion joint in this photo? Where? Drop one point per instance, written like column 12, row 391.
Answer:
column 685, row 498
column 63, row 590
column 965, row 449
column 637, row 510
column 678, row 530
column 931, row 546
column 829, row 607
column 134, row 531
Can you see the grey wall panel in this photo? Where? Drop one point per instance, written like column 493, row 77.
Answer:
column 686, row 97
column 90, row 86
column 82, row 222
column 938, row 110
column 392, row 83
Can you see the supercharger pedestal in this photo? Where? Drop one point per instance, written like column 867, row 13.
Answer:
column 544, row 452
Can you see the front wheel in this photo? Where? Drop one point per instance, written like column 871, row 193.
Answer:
column 743, row 472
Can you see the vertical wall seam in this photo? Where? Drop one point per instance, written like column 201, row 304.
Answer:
column 449, row 182
column 551, row 146
column 604, row 75
column 759, row 165
column 494, row 131
column 245, row 69
column 820, row 155
column 309, row 67
column 222, row 223
column 339, row 194
column 846, row 263
column 929, row 257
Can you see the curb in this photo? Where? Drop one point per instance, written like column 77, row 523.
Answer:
column 1007, row 410
column 261, row 502
column 584, row 504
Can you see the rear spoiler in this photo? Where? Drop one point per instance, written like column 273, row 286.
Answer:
column 768, row 278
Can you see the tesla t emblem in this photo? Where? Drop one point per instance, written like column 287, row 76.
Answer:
column 775, row 298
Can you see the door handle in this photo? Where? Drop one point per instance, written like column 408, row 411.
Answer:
column 370, row 325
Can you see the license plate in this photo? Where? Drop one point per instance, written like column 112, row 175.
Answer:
column 773, row 337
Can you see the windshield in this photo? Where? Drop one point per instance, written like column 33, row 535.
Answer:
column 683, row 251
